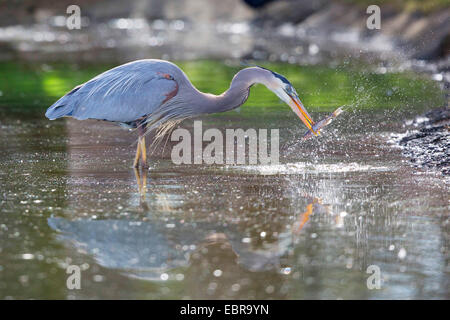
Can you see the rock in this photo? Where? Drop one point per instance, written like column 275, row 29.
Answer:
column 429, row 146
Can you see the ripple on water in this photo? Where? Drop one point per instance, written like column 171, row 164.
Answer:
column 308, row 167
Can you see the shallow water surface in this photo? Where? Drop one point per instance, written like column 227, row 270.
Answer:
column 308, row 227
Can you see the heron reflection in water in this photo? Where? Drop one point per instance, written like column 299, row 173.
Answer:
column 145, row 249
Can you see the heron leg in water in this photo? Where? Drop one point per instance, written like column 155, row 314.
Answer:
column 141, row 182
column 142, row 187
column 143, row 153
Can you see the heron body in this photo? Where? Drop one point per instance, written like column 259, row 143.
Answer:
column 154, row 94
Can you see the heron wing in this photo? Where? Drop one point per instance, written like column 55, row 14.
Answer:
column 123, row 94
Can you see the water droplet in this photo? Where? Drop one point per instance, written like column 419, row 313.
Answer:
column 99, row 278
column 402, row 253
column 246, row 240
column 236, row 287
column 28, row 256
column 270, row 289
column 24, row 279
column 313, row 49
column 179, row 276
column 164, row 276
column 286, row 270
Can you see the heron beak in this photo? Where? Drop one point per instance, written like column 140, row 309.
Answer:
column 297, row 106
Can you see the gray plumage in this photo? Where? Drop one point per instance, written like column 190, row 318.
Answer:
column 123, row 94
column 138, row 90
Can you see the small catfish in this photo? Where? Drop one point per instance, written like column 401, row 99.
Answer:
column 322, row 123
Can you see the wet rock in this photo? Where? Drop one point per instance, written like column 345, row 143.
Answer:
column 428, row 146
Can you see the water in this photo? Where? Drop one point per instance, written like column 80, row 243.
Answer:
column 306, row 228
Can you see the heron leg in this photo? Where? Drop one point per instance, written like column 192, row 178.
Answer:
column 142, row 183
column 141, row 147
column 143, row 153
column 138, row 179
column 138, row 154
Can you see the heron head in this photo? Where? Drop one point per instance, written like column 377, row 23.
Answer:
column 286, row 92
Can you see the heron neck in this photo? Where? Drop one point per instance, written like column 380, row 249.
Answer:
column 234, row 97
column 229, row 100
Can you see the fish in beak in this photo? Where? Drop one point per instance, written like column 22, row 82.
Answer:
column 286, row 92
column 317, row 127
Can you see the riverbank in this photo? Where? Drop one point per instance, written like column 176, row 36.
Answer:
column 426, row 143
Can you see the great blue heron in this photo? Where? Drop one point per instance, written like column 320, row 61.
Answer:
column 149, row 94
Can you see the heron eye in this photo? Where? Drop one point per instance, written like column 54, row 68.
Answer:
column 167, row 76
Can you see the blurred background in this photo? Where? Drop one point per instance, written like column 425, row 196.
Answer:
column 37, row 47
column 182, row 29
